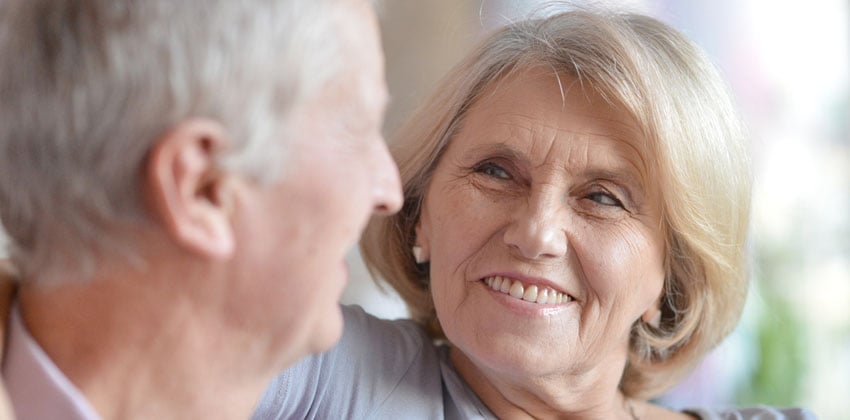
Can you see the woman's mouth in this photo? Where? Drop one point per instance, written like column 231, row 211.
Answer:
column 529, row 293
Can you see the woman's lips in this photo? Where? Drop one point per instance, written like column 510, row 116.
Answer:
column 530, row 293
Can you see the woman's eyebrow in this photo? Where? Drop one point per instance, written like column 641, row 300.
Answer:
column 620, row 175
column 499, row 149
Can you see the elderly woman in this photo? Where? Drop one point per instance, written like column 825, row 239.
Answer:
column 576, row 203
column 577, row 200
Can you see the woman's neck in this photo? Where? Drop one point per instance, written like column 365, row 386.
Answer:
column 592, row 395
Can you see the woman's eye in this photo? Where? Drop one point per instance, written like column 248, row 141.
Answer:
column 605, row 199
column 493, row 170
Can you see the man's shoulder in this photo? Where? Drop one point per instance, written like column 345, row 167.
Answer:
column 36, row 387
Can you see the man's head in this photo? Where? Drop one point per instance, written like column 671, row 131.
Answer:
column 236, row 139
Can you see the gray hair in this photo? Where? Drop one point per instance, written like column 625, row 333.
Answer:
column 88, row 86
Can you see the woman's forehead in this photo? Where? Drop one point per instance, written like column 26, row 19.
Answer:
column 537, row 111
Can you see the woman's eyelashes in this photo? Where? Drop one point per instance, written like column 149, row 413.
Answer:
column 603, row 201
column 605, row 198
column 493, row 170
column 595, row 194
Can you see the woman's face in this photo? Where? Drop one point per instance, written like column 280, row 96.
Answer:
column 543, row 230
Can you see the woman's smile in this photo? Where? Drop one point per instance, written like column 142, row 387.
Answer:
column 533, row 293
column 525, row 300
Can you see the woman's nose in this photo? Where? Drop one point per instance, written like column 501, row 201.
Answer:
column 386, row 188
column 537, row 229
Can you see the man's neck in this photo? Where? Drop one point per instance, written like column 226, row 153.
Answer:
column 137, row 351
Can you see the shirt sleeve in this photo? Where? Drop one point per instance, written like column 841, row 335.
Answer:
column 379, row 369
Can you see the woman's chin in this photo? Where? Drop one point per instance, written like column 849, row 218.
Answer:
column 517, row 358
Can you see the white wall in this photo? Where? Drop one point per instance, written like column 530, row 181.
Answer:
column 382, row 302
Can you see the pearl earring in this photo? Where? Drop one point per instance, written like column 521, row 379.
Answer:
column 417, row 255
column 655, row 321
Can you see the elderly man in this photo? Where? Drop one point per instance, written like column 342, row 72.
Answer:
column 181, row 181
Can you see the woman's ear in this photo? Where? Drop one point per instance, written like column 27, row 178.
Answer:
column 188, row 194
column 652, row 316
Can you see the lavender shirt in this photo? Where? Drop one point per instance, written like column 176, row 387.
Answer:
column 37, row 388
column 391, row 370
column 379, row 370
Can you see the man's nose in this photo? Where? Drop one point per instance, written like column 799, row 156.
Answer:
column 387, row 186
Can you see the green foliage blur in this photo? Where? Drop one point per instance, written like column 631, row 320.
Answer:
column 779, row 338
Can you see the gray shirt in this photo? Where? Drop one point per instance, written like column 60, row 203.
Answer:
column 391, row 370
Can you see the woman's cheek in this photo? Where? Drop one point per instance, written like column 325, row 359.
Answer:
column 624, row 266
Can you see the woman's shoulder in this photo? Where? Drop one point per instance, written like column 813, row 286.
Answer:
column 760, row 412
column 647, row 410
column 379, row 369
column 405, row 337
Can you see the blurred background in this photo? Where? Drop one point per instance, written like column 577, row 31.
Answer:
column 789, row 65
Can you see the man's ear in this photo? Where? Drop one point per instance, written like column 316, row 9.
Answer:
column 188, row 194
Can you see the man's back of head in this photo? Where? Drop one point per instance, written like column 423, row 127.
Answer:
column 91, row 85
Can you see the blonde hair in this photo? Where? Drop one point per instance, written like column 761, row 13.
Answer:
column 694, row 139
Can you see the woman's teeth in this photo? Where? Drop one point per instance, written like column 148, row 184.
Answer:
column 515, row 289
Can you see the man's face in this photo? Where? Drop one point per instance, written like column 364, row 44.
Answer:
column 295, row 235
